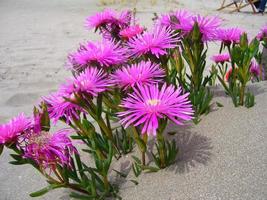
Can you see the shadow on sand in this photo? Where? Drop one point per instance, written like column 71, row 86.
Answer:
column 194, row 149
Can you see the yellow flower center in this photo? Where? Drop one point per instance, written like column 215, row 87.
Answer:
column 153, row 102
column 40, row 139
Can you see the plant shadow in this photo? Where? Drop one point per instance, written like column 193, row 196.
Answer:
column 257, row 89
column 124, row 168
column 194, row 148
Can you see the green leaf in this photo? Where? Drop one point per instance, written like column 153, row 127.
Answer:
column 171, row 133
column 78, row 137
column 120, row 173
column 99, row 106
column 82, row 197
column 137, row 160
column 45, row 120
column 1, row 148
column 150, row 169
column 45, row 190
column 219, row 104
column 136, row 169
column 134, row 181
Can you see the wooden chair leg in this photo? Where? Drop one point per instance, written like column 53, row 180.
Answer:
column 224, row 6
column 252, row 5
column 237, row 7
column 250, row 2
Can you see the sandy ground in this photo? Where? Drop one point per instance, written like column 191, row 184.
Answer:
column 224, row 157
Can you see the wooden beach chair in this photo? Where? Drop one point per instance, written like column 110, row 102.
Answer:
column 239, row 4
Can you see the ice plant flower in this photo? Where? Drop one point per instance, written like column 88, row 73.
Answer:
column 155, row 42
column 179, row 20
column 91, row 81
column 131, row 32
column 109, row 22
column 147, row 104
column 49, row 150
column 254, row 68
column 256, row 71
column 262, row 33
column 141, row 73
column 228, row 74
column 208, row 26
column 99, row 54
column 229, row 35
column 221, row 58
column 108, row 17
column 10, row 131
column 100, row 19
column 59, row 107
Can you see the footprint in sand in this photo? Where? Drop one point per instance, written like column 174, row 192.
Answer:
column 23, row 99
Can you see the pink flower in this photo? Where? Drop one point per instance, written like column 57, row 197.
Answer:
column 100, row 54
column 156, row 42
column 147, row 104
column 59, row 107
column 230, row 35
column 141, row 73
column 179, row 20
column 10, row 131
column 228, row 74
column 91, row 81
column 255, row 69
column 208, row 26
column 131, row 32
column 100, row 19
column 108, row 17
column 109, row 22
column 221, row 58
column 262, row 33
column 49, row 150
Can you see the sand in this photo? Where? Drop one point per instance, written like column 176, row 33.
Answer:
column 224, row 157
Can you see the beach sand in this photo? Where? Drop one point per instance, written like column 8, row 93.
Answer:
column 223, row 157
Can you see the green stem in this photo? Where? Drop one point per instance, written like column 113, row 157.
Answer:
column 161, row 144
column 77, row 188
column 106, row 183
column 105, row 128
column 141, row 142
column 242, row 93
column 143, row 158
column 145, row 137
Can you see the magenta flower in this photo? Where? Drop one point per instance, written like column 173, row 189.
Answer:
column 91, row 81
column 179, row 20
column 100, row 19
column 255, row 69
column 147, row 104
column 10, row 131
column 108, row 17
column 49, row 150
column 59, row 107
column 155, row 42
column 131, row 32
column 100, row 54
column 221, row 58
column 208, row 26
column 109, row 22
column 141, row 73
column 262, row 33
column 230, row 35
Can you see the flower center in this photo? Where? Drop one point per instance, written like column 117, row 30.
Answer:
column 153, row 102
column 40, row 139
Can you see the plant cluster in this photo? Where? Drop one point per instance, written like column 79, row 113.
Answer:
column 125, row 89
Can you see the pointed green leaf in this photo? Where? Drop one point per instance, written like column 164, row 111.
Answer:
column 1, row 148
column 45, row 190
